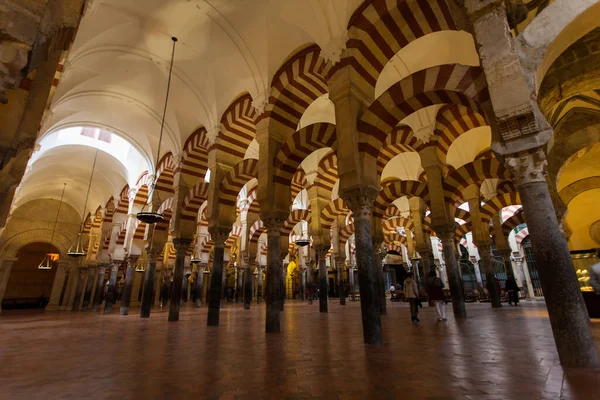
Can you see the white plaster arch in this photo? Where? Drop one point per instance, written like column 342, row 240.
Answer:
column 12, row 245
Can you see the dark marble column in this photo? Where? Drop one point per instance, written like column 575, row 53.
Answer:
column 454, row 275
column 80, row 289
column 239, row 284
column 99, row 293
column 87, row 297
column 248, row 287
column 149, row 278
column 127, row 288
column 339, row 264
column 181, row 246
column 112, row 286
column 199, row 288
column 309, row 282
column 302, row 283
column 486, row 261
column 216, row 278
column 361, row 204
column 379, row 284
column 259, row 284
column 282, row 283
column 273, row 292
column 566, row 308
column 321, row 253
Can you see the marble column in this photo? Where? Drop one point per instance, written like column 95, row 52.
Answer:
column 248, row 277
column 339, row 264
column 566, row 308
column 57, row 286
column 303, row 283
column 99, row 293
column 199, row 288
column 216, row 278
column 527, row 284
column 273, row 290
column 284, row 268
column 239, row 284
column 80, row 289
column 259, row 284
column 181, row 245
column 149, row 284
column 486, row 260
column 321, row 253
column 5, row 268
column 477, row 273
column 361, row 204
column 72, row 280
column 309, row 281
column 380, row 293
column 161, row 275
column 128, row 288
column 454, row 275
column 112, row 286
column 89, row 287
column 351, row 278
column 135, row 292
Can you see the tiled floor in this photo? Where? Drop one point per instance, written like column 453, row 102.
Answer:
column 494, row 354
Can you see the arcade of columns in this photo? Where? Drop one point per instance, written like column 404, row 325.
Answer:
column 212, row 221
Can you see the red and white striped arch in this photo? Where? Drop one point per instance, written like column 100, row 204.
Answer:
column 331, row 211
column 400, row 140
column 238, row 127
column 472, row 173
column 235, row 179
column 453, row 120
column 193, row 201
column 393, row 189
column 194, row 160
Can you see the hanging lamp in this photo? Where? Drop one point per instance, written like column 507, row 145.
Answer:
column 152, row 217
column 195, row 259
column 51, row 257
column 77, row 249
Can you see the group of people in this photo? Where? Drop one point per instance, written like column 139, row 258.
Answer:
column 434, row 287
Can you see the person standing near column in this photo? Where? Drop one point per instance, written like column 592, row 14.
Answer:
column 411, row 292
column 435, row 292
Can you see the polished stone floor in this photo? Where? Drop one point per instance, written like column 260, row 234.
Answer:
column 494, row 354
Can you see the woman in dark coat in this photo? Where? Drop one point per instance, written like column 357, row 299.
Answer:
column 435, row 291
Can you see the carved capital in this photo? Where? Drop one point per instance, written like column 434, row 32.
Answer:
column 528, row 167
column 360, row 201
column 153, row 256
column 219, row 238
column 446, row 234
column 132, row 260
column 12, row 60
column 321, row 251
column 273, row 225
column 182, row 244
column 114, row 265
column 333, row 50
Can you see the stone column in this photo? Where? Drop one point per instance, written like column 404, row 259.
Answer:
column 303, row 283
column 321, row 253
column 339, row 263
column 284, row 268
column 454, row 276
column 80, row 289
column 273, row 293
column 181, row 246
column 73, row 278
column 486, row 260
column 128, row 288
column 112, row 286
column 239, row 283
column 527, row 284
column 477, row 273
column 149, row 283
column 259, row 284
column 199, row 288
column 135, row 292
column 309, row 280
column 351, row 277
column 361, row 203
column 380, row 293
column 248, row 277
column 57, row 287
column 98, row 294
column 87, row 296
column 216, row 278
column 567, row 311
column 5, row 268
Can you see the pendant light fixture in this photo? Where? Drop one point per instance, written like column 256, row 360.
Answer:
column 77, row 249
column 195, row 259
column 51, row 257
column 139, row 267
column 152, row 217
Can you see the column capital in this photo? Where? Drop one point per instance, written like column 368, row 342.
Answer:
column 219, row 237
column 322, row 250
column 273, row 224
column 527, row 167
column 182, row 244
column 115, row 264
column 132, row 259
column 360, row 200
column 153, row 255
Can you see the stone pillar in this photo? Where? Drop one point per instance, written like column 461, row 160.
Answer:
column 128, row 288
column 89, row 287
column 454, row 276
column 5, row 268
column 73, row 278
column 303, row 283
column 339, row 264
column 273, row 293
column 216, row 278
column 321, row 253
column 259, row 284
column 239, row 283
column 181, row 246
column 80, row 289
column 248, row 277
column 135, row 292
column 149, row 284
column 351, row 277
column 380, row 293
column 527, row 284
column 161, row 275
column 57, row 287
column 309, row 280
column 567, row 311
column 477, row 273
column 284, row 268
column 99, row 293
column 112, row 286
column 361, row 203
column 486, row 260
column 199, row 288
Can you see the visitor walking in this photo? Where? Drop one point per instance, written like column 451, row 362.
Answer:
column 435, row 291
column 513, row 290
column 411, row 292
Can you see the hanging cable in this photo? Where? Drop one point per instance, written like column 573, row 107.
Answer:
column 88, row 193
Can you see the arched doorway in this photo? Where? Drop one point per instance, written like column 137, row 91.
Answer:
column 26, row 283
